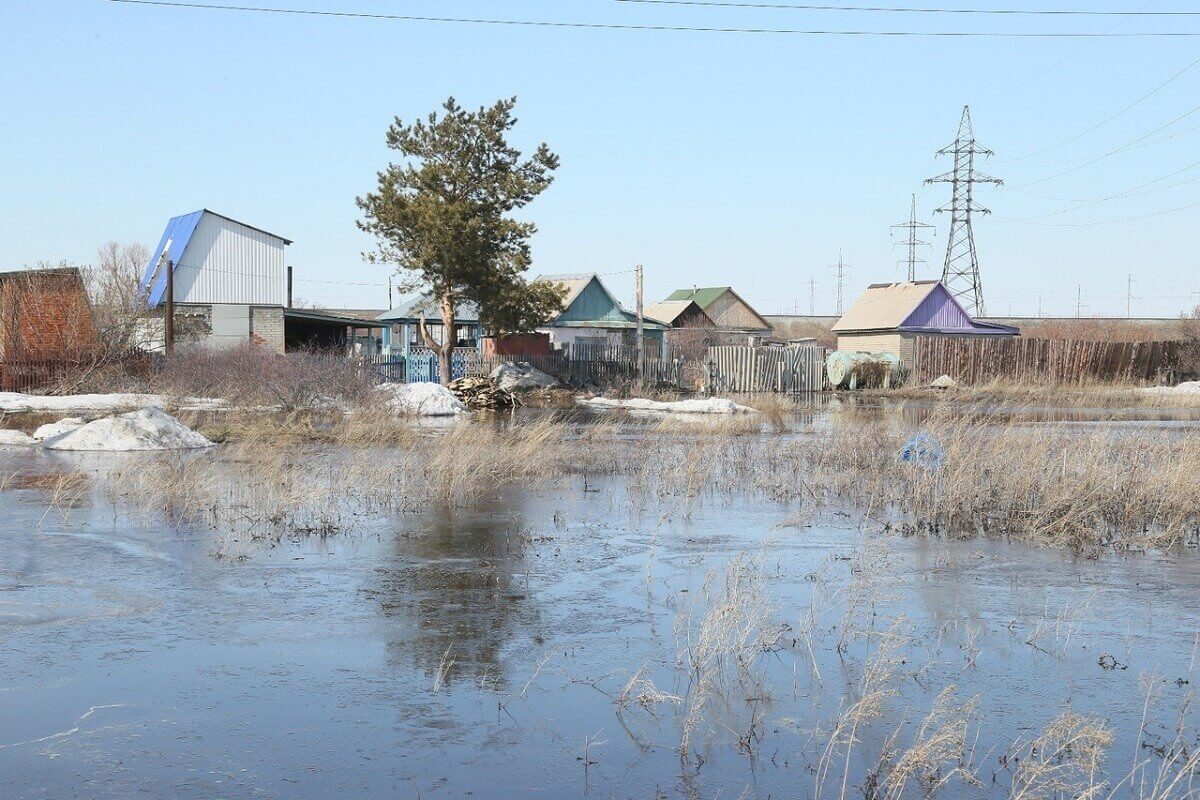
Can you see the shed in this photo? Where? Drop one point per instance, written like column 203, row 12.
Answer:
column 889, row 316
column 726, row 308
column 230, row 280
column 591, row 318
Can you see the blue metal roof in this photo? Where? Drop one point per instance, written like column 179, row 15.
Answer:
column 426, row 305
column 179, row 231
column 175, row 240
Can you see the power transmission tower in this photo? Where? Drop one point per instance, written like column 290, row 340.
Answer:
column 1078, row 300
column 961, row 271
column 841, row 268
column 1129, row 298
column 812, row 296
column 912, row 241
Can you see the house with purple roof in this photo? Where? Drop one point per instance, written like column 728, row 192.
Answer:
column 888, row 317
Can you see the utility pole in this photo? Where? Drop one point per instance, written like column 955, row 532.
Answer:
column 961, row 271
column 841, row 268
column 1078, row 300
column 912, row 241
column 1129, row 296
column 812, row 296
column 389, row 292
column 640, row 339
column 169, row 323
column 1039, row 306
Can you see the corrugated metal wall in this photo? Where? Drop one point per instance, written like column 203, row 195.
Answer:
column 230, row 263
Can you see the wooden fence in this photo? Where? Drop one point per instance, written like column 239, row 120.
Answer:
column 40, row 374
column 421, row 365
column 977, row 361
column 791, row 370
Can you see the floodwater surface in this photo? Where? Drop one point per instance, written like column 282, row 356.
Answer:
column 488, row 650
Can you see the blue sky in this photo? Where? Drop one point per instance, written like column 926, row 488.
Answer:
column 712, row 159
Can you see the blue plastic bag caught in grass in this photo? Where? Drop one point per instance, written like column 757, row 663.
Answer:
column 923, row 450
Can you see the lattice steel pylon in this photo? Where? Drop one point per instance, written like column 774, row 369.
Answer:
column 912, row 242
column 961, row 271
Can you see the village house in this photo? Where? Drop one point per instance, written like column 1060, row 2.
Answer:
column 888, row 317
column 734, row 318
column 402, row 325
column 591, row 320
column 232, row 285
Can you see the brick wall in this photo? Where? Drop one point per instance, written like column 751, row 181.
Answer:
column 266, row 327
column 44, row 315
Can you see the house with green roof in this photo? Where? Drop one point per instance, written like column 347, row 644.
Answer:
column 721, row 304
column 592, row 319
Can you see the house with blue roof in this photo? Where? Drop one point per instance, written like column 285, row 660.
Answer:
column 230, row 279
column 402, row 325
column 232, row 285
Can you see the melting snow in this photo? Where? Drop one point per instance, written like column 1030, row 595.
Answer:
column 70, row 403
column 15, row 439
column 422, row 399
column 149, row 428
column 710, row 405
column 52, row 429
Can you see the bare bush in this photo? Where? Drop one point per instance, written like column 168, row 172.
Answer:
column 252, row 374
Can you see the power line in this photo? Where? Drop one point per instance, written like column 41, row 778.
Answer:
column 1107, row 120
column 898, row 10
column 1106, row 221
column 1131, row 192
column 646, row 27
column 1127, row 146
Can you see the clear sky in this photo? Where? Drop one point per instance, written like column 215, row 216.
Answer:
column 711, row 158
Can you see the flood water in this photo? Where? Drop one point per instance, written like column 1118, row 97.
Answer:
column 480, row 651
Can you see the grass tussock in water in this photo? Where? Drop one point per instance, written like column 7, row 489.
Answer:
column 1060, row 484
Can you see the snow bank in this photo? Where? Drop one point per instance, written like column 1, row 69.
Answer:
column 520, row 377
column 1187, row 387
column 74, row 403
column 149, row 428
column 710, row 405
column 15, row 439
column 422, row 399
column 52, row 429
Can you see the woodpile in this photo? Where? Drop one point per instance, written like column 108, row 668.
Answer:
column 481, row 393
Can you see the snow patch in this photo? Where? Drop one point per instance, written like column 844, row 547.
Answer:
column 149, row 428
column 1187, row 387
column 15, row 439
column 709, row 405
column 52, row 429
column 74, row 403
column 521, row 376
column 421, row 399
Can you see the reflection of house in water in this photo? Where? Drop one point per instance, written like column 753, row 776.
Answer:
column 455, row 585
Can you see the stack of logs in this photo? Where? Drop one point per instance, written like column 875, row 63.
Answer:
column 481, row 393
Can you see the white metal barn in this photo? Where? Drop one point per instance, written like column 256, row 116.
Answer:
column 230, row 280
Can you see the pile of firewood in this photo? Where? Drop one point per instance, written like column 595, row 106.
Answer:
column 481, row 393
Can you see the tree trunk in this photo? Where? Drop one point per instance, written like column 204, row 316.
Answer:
column 449, row 335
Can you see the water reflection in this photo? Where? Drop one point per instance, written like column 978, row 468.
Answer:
column 455, row 592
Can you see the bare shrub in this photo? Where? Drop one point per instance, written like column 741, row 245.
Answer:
column 252, row 374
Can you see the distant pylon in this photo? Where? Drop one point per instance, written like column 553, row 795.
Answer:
column 912, row 241
column 841, row 267
column 961, row 271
